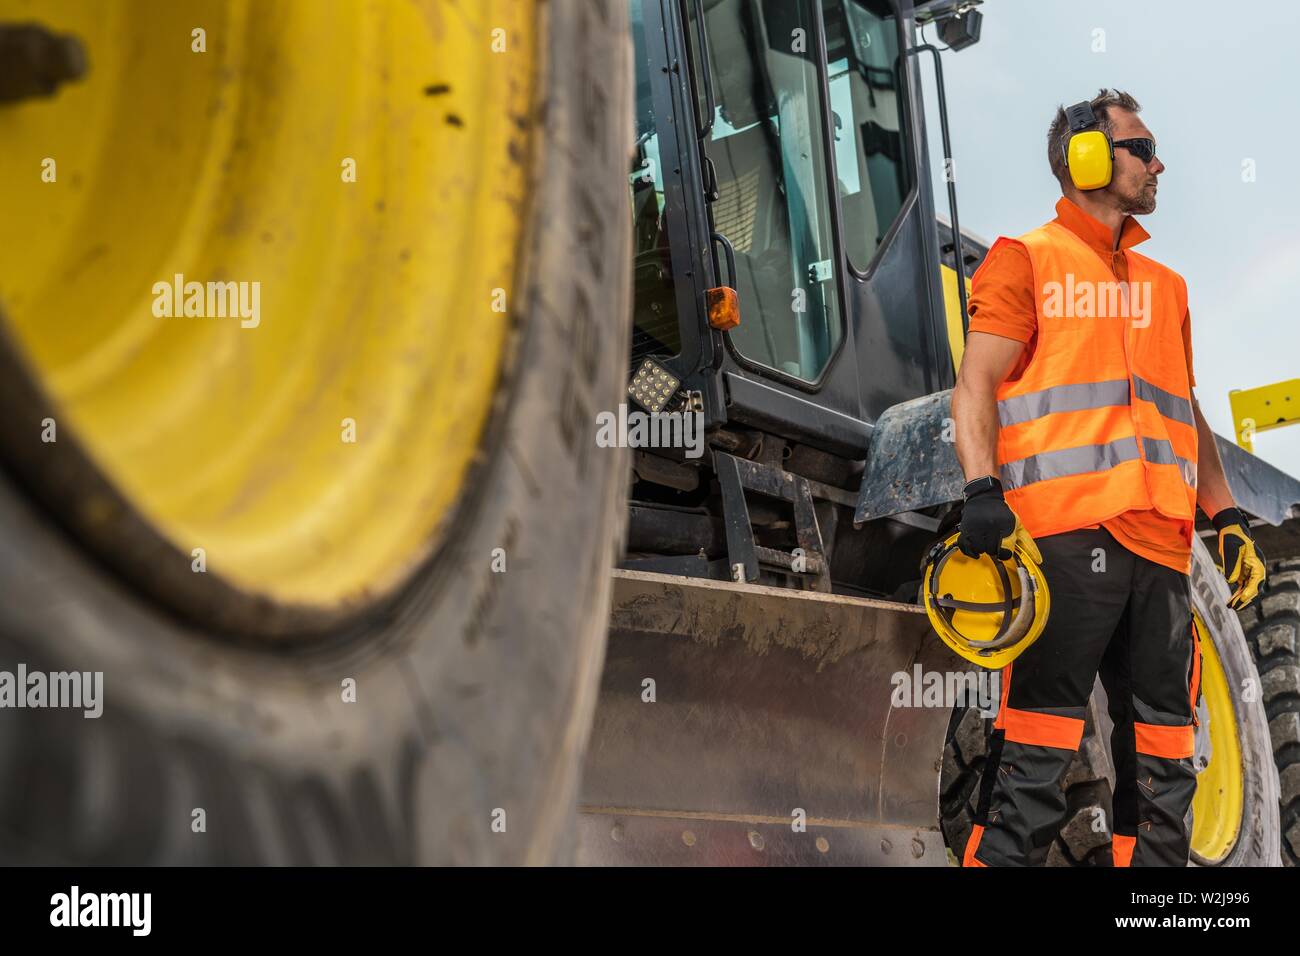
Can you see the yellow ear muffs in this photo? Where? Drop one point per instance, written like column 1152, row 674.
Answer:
column 1090, row 159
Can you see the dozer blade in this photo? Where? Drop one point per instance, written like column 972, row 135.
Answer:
column 771, row 708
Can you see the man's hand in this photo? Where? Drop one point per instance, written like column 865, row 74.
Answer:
column 986, row 520
column 989, row 526
column 1243, row 564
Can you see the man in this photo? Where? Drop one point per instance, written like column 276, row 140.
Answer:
column 1076, row 422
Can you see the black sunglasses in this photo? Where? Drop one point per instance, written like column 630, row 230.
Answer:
column 1143, row 149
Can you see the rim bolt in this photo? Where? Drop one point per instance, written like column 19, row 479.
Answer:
column 34, row 62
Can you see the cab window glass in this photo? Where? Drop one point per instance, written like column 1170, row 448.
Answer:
column 866, row 106
column 767, row 146
column 654, row 322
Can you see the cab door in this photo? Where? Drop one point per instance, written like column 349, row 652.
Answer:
column 811, row 165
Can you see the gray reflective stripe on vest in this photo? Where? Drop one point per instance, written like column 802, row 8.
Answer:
column 1091, row 458
column 1075, row 398
column 1068, row 461
column 1167, row 403
column 1160, row 452
column 1062, row 398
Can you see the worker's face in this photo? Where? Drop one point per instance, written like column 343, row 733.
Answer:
column 1133, row 182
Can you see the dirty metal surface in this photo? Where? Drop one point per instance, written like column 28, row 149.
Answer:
column 769, row 706
column 912, row 462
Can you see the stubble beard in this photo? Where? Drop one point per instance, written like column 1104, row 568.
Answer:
column 1139, row 203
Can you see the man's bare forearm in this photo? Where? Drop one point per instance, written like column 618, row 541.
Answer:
column 975, row 420
column 1212, row 491
column 987, row 361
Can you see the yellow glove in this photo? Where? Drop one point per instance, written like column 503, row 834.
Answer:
column 1243, row 563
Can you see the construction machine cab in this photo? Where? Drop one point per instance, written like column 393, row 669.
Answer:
column 784, row 139
column 781, row 152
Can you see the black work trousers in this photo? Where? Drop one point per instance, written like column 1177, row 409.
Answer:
column 1128, row 619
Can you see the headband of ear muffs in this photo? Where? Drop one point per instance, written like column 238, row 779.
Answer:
column 1088, row 153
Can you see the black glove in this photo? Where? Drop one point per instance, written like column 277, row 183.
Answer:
column 986, row 520
column 1243, row 562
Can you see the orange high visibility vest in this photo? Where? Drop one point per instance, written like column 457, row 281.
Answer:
column 1100, row 422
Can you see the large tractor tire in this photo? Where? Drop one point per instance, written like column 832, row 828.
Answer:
column 1235, row 813
column 1272, row 625
column 344, row 570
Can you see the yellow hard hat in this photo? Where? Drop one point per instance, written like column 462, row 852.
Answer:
column 987, row 610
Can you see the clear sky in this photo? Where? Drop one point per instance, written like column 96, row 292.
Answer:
column 1219, row 84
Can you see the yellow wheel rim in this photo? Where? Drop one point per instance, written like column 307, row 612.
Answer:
column 383, row 303
column 1217, row 805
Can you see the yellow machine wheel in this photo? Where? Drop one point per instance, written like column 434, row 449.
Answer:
column 1217, row 806
column 340, row 556
column 1235, row 811
column 260, row 264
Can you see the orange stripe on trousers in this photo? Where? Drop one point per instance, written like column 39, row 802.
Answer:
column 1121, row 849
column 1172, row 743
column 1043, row 730
column 968, row 859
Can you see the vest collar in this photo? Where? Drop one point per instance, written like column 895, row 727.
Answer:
column 1097, row 234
